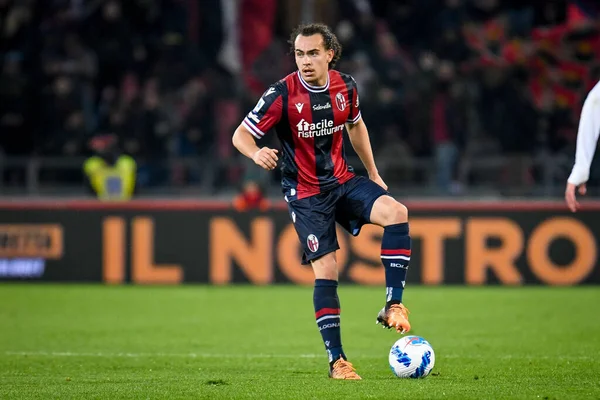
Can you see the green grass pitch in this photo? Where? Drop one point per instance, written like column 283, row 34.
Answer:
column 128, row 342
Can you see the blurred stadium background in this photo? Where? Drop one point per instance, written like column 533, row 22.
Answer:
column 462, row 97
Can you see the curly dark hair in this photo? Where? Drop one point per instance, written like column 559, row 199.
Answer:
column 330, row 41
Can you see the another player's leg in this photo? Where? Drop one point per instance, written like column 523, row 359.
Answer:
column 395, row 256
column 327, row 314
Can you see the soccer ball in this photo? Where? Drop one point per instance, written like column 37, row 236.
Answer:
column 411, row 357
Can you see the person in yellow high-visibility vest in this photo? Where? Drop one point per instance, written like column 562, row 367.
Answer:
column 111, row 174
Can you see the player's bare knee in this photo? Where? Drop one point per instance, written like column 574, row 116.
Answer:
column 325, row 267
column 398, row 213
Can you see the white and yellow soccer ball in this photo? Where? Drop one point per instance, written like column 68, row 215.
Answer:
column 411, row 357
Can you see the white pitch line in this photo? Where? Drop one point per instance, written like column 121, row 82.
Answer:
column 266, row 356
column 143, row 355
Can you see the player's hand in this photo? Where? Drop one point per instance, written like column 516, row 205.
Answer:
column 377, row 179
column 266, row 158
column 570, row 195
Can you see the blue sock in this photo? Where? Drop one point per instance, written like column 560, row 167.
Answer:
column 327, row 313
column 395, row 256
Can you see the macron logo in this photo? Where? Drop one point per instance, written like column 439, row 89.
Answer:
column 299, row 107
column 270, row 91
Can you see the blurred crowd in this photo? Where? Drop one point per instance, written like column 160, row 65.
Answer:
column 443, row 80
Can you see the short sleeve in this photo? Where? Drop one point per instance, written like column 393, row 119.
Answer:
column 354, row 115
column 266, row 114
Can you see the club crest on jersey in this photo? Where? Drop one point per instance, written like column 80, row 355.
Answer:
column 312, row 242
column 340, row 101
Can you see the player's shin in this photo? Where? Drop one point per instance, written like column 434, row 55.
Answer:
column 395, row 256
column 327, row 314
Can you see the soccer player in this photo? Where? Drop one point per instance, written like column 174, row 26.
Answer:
column 587, row 140
column 311, row 109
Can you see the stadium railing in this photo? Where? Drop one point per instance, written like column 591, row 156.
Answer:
column 486, row 176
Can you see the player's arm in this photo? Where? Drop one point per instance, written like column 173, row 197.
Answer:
column 244, row 141
column 265, row 115
column 587, row 139
column 359, row 137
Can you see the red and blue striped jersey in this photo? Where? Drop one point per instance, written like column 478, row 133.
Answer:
column 310, row 124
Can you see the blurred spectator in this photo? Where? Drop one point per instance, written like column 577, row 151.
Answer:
column 518, row 134
column 448, row 119
column 110, row 35
column 111, row 174
column 15, row 107
column 251, row 197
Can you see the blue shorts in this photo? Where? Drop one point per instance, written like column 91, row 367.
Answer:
column 349, row 205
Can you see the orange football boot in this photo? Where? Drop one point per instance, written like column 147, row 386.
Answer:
column 395, row 317
column 343, row 369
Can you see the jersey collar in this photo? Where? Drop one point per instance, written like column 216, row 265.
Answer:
column 311, row 88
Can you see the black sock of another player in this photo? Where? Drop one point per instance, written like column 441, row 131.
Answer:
column 395, row 256
column 327, row 314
